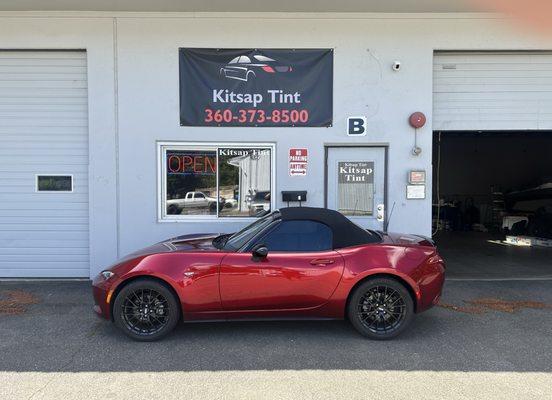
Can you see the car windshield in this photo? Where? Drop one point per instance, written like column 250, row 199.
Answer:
column 239, row 239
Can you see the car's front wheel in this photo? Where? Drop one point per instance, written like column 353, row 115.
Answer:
column 380, row 308
column 146, row 310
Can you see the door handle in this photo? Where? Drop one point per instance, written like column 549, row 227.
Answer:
column 321, row 261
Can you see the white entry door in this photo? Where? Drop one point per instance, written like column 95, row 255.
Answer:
column 356, row 184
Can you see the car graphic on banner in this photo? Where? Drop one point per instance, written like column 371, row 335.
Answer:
column 243, row 68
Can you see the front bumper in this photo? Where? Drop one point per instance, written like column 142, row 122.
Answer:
column 102, row 292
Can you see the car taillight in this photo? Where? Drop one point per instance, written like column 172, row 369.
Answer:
column 268, row 68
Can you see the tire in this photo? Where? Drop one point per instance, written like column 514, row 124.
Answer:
column 173, row 210
column 380, row 308
column 138, row 300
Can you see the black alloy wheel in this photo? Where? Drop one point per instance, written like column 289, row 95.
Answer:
column 146, row 310
column 381, row 308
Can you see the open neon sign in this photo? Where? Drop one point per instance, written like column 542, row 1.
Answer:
column 191, row 164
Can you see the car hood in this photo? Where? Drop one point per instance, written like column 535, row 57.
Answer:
column 198, row 241
column 193, row 242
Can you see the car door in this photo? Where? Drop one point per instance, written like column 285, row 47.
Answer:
column 300, row 271
column 188, row 200
column 199, row 200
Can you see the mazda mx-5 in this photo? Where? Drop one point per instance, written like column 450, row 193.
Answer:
column 296, row 262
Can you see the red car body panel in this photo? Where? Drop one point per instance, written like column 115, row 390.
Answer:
column 279, row 282
column 214, row 284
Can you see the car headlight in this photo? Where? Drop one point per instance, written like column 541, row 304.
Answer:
column 107, row 274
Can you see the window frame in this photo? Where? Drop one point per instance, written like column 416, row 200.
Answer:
column 164, row 146
column 55, row 191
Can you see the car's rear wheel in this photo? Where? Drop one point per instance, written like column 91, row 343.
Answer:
column 173, row 209
column 380, row 308
column 146, row 310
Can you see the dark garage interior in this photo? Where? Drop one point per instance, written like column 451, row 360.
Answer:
column 492, row 203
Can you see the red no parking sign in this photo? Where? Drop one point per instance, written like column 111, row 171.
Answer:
column 298, row 160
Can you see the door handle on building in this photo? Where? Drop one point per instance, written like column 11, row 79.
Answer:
column 321, row 261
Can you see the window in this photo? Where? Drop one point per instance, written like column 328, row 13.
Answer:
column 263, row 58
column 299, row 236
column 244, row 181
column 239, row 239
column 54, row 183
column 189, row 172
column 215, row 181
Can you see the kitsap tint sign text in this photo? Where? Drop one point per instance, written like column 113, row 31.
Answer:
column 275, row 96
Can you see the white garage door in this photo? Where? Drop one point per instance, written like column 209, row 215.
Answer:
column 492, row 91
column 43, row 164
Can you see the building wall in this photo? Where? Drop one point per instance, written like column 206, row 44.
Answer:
column 133, row 86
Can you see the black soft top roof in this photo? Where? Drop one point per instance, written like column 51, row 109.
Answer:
column 345, row 232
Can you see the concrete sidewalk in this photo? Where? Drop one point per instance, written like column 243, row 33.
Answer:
column 58, row 348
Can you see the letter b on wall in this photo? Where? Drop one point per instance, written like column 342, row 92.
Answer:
column 356, row 126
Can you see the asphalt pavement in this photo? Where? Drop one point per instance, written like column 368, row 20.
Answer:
column 487, row 340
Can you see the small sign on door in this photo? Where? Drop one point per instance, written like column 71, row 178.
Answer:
column 355, row 172
column 298, row 161
column 355, row 187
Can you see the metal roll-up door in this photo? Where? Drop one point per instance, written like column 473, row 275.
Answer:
column 43, row 164
column 492, row 91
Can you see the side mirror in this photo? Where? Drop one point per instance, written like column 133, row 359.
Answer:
column 259, row 252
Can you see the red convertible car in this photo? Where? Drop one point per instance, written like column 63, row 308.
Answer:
column 297, row 262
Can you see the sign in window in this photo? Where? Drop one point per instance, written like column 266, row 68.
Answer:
column 191, row 182
column 355, row 185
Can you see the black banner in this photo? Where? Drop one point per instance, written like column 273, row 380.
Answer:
column 246, row 87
